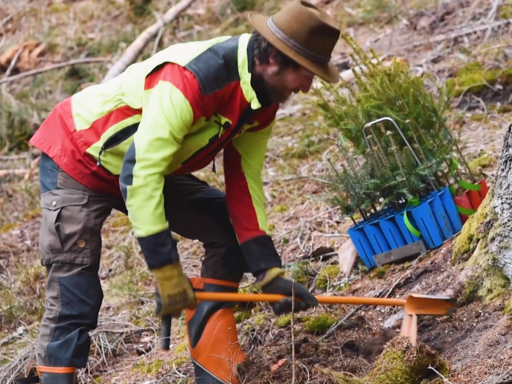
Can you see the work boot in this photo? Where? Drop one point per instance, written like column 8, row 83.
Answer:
column 212, row 335
column 56, row 375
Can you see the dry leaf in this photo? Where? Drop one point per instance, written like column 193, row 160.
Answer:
column 28, row 58
column 279, row 364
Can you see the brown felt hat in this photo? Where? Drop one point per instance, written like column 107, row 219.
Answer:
column 303, row 32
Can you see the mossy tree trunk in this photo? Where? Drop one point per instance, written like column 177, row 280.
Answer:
column 485, row 243
column 502, row 204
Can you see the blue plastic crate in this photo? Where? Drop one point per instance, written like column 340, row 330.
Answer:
column 442, row 218
column 409, row 237
column 427, row 225
column 392, row 232
column 376, row 238
column 436, row 218
column 362, row 244
column 450, row 208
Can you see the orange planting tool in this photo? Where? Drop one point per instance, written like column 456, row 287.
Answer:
column 414, row 305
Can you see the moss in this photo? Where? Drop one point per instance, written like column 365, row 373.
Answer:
column 122, row 222
column 505, row 11
column 485, row 161
column 242, row 316
column 284, row 321
column 380, row 272
column 474, row 78
column 180, row 361
column 139, row 8
column 281, row 208
column 181, row 347
column 300, row 272
column 148, row 368
column 478, row 117
column 495, row 284
column 504, row 109
column 486, row 281
column 8, row 227
column 259, row 318
column 403, row 363
column 319, row 324
column 507, row 310
column 326, row 275
column 470, row 291
column 468, row 239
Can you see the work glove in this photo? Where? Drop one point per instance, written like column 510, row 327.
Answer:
column 272, row 281
column 174, row 291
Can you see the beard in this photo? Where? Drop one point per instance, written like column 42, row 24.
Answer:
column 268, row 89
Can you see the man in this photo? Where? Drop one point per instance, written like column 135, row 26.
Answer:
column 131, row 144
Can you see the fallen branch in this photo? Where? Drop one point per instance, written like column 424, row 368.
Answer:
column 130, row 54
column 493, row 11
column 37, row 71
column 465, row 31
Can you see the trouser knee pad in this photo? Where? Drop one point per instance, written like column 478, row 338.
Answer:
column 212, row 335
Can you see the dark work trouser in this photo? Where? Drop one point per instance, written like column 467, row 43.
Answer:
column 70, row 246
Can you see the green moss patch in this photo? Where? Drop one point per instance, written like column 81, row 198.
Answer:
column 300, row 272
column 327, row 275
column 469, row 236
column 148, row 368
column 508, row 308
column 403, row 363
column 242, row 316
column 399, row 363
column 474, row 78
column 482, row 162
column 380, row 272
column 487, row 282
column 318, row 324
column 283, row 321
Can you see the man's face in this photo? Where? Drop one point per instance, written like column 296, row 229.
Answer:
column 281, row 83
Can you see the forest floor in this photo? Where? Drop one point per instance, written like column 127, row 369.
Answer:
column 434, row 37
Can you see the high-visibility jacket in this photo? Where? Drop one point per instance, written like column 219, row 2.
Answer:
column 171, row 114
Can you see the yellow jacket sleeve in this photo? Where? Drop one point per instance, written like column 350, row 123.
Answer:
column 167, row 115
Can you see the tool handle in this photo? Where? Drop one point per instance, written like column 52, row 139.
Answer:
column 264, row 297
column 165, row 337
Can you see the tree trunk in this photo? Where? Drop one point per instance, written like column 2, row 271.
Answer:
column 502, row 204
column 484, row 246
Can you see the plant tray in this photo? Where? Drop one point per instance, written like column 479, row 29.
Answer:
column 436, row 218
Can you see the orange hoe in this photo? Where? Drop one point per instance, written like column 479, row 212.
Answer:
column 414, row 305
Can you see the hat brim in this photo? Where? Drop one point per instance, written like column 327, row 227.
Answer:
column 328, row 71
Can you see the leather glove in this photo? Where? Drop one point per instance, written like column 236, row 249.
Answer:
column 272, row 281
column 174, row 291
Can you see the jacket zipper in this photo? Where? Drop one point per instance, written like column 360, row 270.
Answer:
column 116, row 139
column 244, row 116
